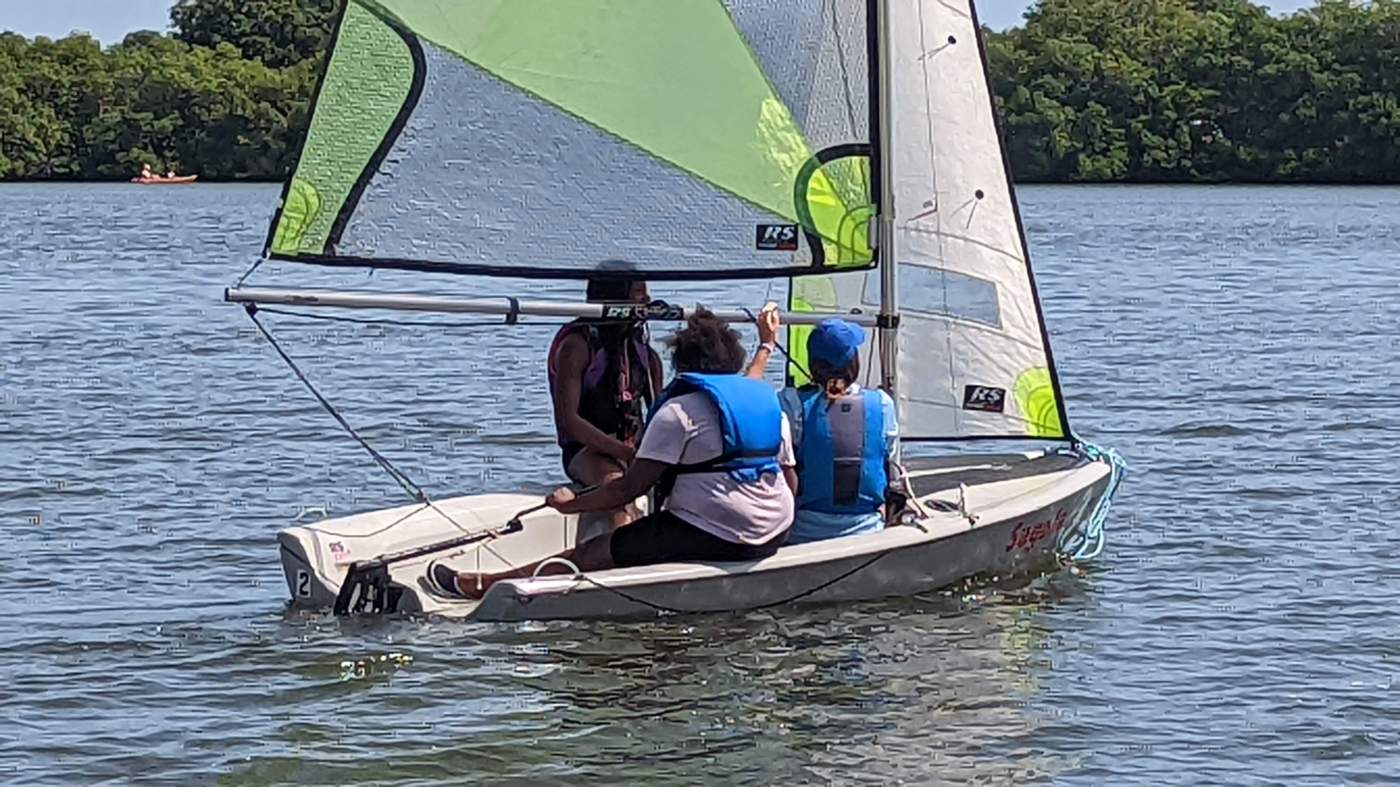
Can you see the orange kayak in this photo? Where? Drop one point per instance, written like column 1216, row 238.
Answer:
column 165, row 181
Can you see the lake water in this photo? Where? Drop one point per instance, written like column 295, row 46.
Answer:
column 1237, row 345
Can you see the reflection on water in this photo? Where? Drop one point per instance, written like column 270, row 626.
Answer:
column 1237, row 345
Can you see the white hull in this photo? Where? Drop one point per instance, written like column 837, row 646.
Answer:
column 1019, row 503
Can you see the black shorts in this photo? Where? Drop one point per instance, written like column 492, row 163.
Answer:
column 663, row 537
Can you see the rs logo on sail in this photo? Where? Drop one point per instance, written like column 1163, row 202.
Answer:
column 776, row 237
column 985, row 398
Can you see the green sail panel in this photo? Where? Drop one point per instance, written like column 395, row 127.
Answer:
column 544, row 138
column 674, row 78
column 366, row 83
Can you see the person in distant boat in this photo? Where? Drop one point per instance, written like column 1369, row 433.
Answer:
column 602, row 376
column 845, row 435
column 717, row 451
column 170, row 175
column 146, row 173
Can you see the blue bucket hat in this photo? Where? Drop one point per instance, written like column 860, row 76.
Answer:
column 835, row 342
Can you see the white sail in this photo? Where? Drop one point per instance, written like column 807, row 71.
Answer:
column 974, row 359
column 974, row 356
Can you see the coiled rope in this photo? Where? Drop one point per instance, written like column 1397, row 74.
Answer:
column 1086, row 540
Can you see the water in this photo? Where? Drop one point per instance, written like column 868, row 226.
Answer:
column 1237, row 345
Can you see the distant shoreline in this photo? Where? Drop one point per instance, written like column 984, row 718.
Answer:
column 1087, row 92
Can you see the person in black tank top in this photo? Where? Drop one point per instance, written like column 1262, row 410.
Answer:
column 603, row 376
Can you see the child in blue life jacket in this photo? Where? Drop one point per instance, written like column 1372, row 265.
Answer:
column 843, row 434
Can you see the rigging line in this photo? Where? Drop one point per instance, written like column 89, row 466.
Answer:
column 781, row 348
column 414, row 491
column 375, row 532
column 782, row 602
column 256, row 264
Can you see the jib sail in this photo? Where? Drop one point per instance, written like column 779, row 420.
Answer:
column 974, row 357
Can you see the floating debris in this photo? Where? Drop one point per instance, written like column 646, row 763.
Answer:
column 373, row 665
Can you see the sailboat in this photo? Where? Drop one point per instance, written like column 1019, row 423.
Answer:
column 849, row 146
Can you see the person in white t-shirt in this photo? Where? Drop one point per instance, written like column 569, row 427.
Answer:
column 724, row 484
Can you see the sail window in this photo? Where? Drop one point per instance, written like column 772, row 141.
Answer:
column 932, row 291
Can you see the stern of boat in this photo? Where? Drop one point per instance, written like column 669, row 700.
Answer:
column 316, row 557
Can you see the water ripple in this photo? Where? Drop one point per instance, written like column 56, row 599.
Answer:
column 1237, row 344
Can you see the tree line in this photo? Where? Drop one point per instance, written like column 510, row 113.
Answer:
column 225, row 94
column 1088, row 90
column 1201, row 90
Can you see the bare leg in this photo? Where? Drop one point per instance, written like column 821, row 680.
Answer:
column 590, row 467
column 592, row 555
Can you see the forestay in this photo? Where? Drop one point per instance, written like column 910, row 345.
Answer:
column 974, row 357
column 676, row 139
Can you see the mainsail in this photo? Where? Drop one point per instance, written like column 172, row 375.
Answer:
column 701, row 139
column 974, row 358
column 676, row 139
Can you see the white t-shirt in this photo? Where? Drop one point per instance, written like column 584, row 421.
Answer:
column 686, row 430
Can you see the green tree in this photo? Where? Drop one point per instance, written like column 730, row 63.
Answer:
column 1189, row 90
column 28, row 129
column 193, row 108
column 68, row 78
column 1088, row 90
column 280, row 33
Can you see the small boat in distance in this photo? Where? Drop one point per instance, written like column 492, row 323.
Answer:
column 149, row 178
column 175, row 181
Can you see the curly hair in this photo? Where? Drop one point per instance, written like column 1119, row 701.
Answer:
column 706, row 344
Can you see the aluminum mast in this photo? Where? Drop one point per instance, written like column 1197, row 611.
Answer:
column 888, row 258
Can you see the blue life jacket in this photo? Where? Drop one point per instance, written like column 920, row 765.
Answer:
column 751, row 421
column 841, row 462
